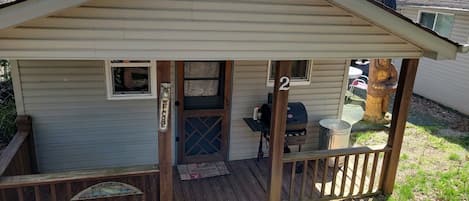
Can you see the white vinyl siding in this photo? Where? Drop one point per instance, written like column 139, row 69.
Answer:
column 322, row 99
column 205, row 29
column 76, row 127
column 445, row 82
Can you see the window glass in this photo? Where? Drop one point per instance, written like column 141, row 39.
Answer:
column 438, row 22
column 300, row 70
column 444, row 24
column 427, row 19
column 130, row 80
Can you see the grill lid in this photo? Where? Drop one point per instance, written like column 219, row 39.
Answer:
column 297, row 116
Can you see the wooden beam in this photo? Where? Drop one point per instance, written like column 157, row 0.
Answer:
column 164, row 138
column 277, row 129
column 398, row 123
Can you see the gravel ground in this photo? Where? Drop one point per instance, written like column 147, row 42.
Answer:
column 443, row 115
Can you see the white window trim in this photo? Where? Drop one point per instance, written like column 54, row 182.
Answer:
column 294, row 82
column 436, row 17
column 109, row 84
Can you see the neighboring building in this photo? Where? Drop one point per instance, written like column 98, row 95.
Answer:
column 446, row 82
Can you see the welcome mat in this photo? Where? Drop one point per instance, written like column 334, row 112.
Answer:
column 202, row 170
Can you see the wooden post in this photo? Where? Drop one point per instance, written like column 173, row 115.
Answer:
column 398, row 123
column 164, row 139
column 277, row 129
column 24, row 123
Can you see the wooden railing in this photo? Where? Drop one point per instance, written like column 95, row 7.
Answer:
column 64, row 186
column 18, row 158
column 334, row 174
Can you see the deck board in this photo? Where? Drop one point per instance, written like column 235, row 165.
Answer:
column 248, row 182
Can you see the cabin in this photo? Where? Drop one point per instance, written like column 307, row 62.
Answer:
column 448, row 18
column 111, row 95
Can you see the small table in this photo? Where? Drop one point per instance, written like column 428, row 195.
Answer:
column 257, row 126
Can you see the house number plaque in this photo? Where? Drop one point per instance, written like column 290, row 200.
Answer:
column 284, row 83
column 165, row 101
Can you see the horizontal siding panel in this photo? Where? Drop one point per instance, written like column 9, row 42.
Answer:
column 83, row 34
column 57, row 22
column 76, row 127
column 266, row 6
column 145, row 14
column 196, row 45
column 205, row 55
column 64, row 85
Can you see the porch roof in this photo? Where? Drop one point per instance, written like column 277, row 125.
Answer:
column 433, row 45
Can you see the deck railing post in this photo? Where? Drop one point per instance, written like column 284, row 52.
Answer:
column 398, row 123
column 164, row 139
column 24, row 124
column 277, row 129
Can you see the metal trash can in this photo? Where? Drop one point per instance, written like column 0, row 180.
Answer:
column 334, row 134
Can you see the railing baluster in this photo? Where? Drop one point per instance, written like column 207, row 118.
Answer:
column 53, row 192
column 144, row 187
column 334, row 175
column 19, row 191
column 37, row 193
column 324, row 177
column 292, row 181
column 373, row 172
column 365, row 168
column 303, row 181
column 68, row 189
column 4, row 197
column 344, row 176
column 354, row 174
column 313, row 177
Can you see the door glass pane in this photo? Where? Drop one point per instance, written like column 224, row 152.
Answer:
column 444, row 24
column 201, row 78
column 201, row 87
column 201, row 69
column 427, row 19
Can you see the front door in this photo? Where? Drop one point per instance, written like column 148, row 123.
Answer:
column 203, row 93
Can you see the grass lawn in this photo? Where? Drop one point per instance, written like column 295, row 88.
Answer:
column 434, row 163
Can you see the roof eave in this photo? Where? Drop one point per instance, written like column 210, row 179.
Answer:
column 433, row 47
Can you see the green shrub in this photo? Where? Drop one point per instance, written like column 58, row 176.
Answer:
column 7, row 104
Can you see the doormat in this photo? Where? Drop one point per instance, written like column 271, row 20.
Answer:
column 202, row 170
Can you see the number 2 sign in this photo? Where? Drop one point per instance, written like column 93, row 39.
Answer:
column 284, row 83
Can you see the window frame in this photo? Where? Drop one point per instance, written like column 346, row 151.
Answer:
column 294, row 82
column 435, row 20
column 110, row 85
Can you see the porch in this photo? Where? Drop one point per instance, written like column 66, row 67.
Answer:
column 359, row 176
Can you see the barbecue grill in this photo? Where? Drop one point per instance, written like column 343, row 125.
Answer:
column 297, row 120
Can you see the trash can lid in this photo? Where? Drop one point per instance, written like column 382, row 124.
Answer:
column 335, row 124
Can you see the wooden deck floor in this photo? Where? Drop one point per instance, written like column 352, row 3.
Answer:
column 248, row 182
